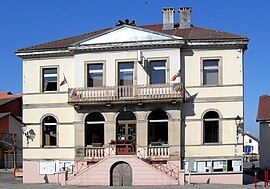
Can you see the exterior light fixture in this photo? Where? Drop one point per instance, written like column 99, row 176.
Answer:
column 237, row 120
column 30, row 135
column 239, row 126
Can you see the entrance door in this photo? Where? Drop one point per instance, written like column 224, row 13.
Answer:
column 126, row 137
column 121, row 174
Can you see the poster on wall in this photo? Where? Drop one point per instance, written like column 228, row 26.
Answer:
column 66, row 166
column 203, row 166
column 236, row 164
column 192, row 167
column 47, row 167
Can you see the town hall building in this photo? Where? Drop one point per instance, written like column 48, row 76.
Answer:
column 157, row 104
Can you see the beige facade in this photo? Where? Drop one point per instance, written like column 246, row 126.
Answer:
column 185, row 110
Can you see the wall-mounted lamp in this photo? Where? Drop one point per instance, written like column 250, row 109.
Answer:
column 30, row 135
column 239, row 126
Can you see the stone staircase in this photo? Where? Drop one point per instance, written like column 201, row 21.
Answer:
column 144, row 172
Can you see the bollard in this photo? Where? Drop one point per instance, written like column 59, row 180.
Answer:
column 255, row 179
column 265, row 178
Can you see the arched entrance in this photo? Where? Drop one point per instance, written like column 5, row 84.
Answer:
column 121, row 174
column 125, row 133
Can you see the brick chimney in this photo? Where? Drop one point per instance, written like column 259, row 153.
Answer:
column 168, row 18
column 184, row 17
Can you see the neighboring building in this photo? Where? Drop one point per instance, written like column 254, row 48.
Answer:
column 263, row 117
column 251, row 147
column 10, row 129
column 149, row 102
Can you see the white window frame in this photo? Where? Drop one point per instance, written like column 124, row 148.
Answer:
column 42, row 68
column 165, row 68
column 103, row 71
column 219, row 69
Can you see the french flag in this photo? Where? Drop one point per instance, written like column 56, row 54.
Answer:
column 175, row 76
column 64, row 81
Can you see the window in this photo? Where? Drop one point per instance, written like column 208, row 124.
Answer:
column 249, row 141
column 125, row 73
column 211, row 127
column 211, row 72
column 157, row 71
column 94, row 129
column 157, row 128
column 49, row 131
column 94, row 75
column 49, row 79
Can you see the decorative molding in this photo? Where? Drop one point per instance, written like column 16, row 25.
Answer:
column 63, row 123
column 218, row 86
column 221, row 119
column 49, row 148
column 46, row 105
column 219, row 99
column 46, row 93
column 213, row 144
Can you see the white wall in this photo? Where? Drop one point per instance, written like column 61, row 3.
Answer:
column 253, row 143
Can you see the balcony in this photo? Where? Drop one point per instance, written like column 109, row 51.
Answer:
column 125, row 94
column 152, row 152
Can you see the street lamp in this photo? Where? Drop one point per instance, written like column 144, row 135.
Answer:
column 30, row 135
column 239, row 126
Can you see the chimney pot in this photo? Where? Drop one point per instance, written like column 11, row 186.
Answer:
column 168, row 18
column 184, row 17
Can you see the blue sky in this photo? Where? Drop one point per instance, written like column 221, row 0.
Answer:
column 28, row 22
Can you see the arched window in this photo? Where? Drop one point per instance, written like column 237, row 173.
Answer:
column 157, row 128
column 94, row 129
column 211, row 127
column 49, row 131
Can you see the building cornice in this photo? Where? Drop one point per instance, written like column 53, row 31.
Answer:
column 174, row 43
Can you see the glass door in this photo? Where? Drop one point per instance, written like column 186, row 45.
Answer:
column 126, row 138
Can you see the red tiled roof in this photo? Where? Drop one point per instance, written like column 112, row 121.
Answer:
column 264, row 108
column 192, row 33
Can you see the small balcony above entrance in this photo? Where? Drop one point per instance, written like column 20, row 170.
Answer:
column 126, row 94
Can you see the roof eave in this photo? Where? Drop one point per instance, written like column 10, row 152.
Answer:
column 46, row 52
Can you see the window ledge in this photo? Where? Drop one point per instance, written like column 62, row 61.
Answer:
column 49, row 92
column 212, row 144
column 50, row 147
column 219, row 85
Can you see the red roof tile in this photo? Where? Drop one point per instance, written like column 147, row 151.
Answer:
column 192, row 33
column 264, row 108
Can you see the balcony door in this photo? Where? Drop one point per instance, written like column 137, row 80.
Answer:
column 126, row 133
column 125, row 79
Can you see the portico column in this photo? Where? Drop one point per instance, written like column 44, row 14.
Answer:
column 174, row 132
column 141, row 135
column 109, row 128
column 79, row 132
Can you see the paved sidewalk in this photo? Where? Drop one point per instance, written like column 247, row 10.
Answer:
column 7, row 182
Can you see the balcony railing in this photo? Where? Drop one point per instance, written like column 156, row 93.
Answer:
column 122, row 149
column 125, row 93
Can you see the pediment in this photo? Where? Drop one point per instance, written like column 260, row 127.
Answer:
column 127, row 34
